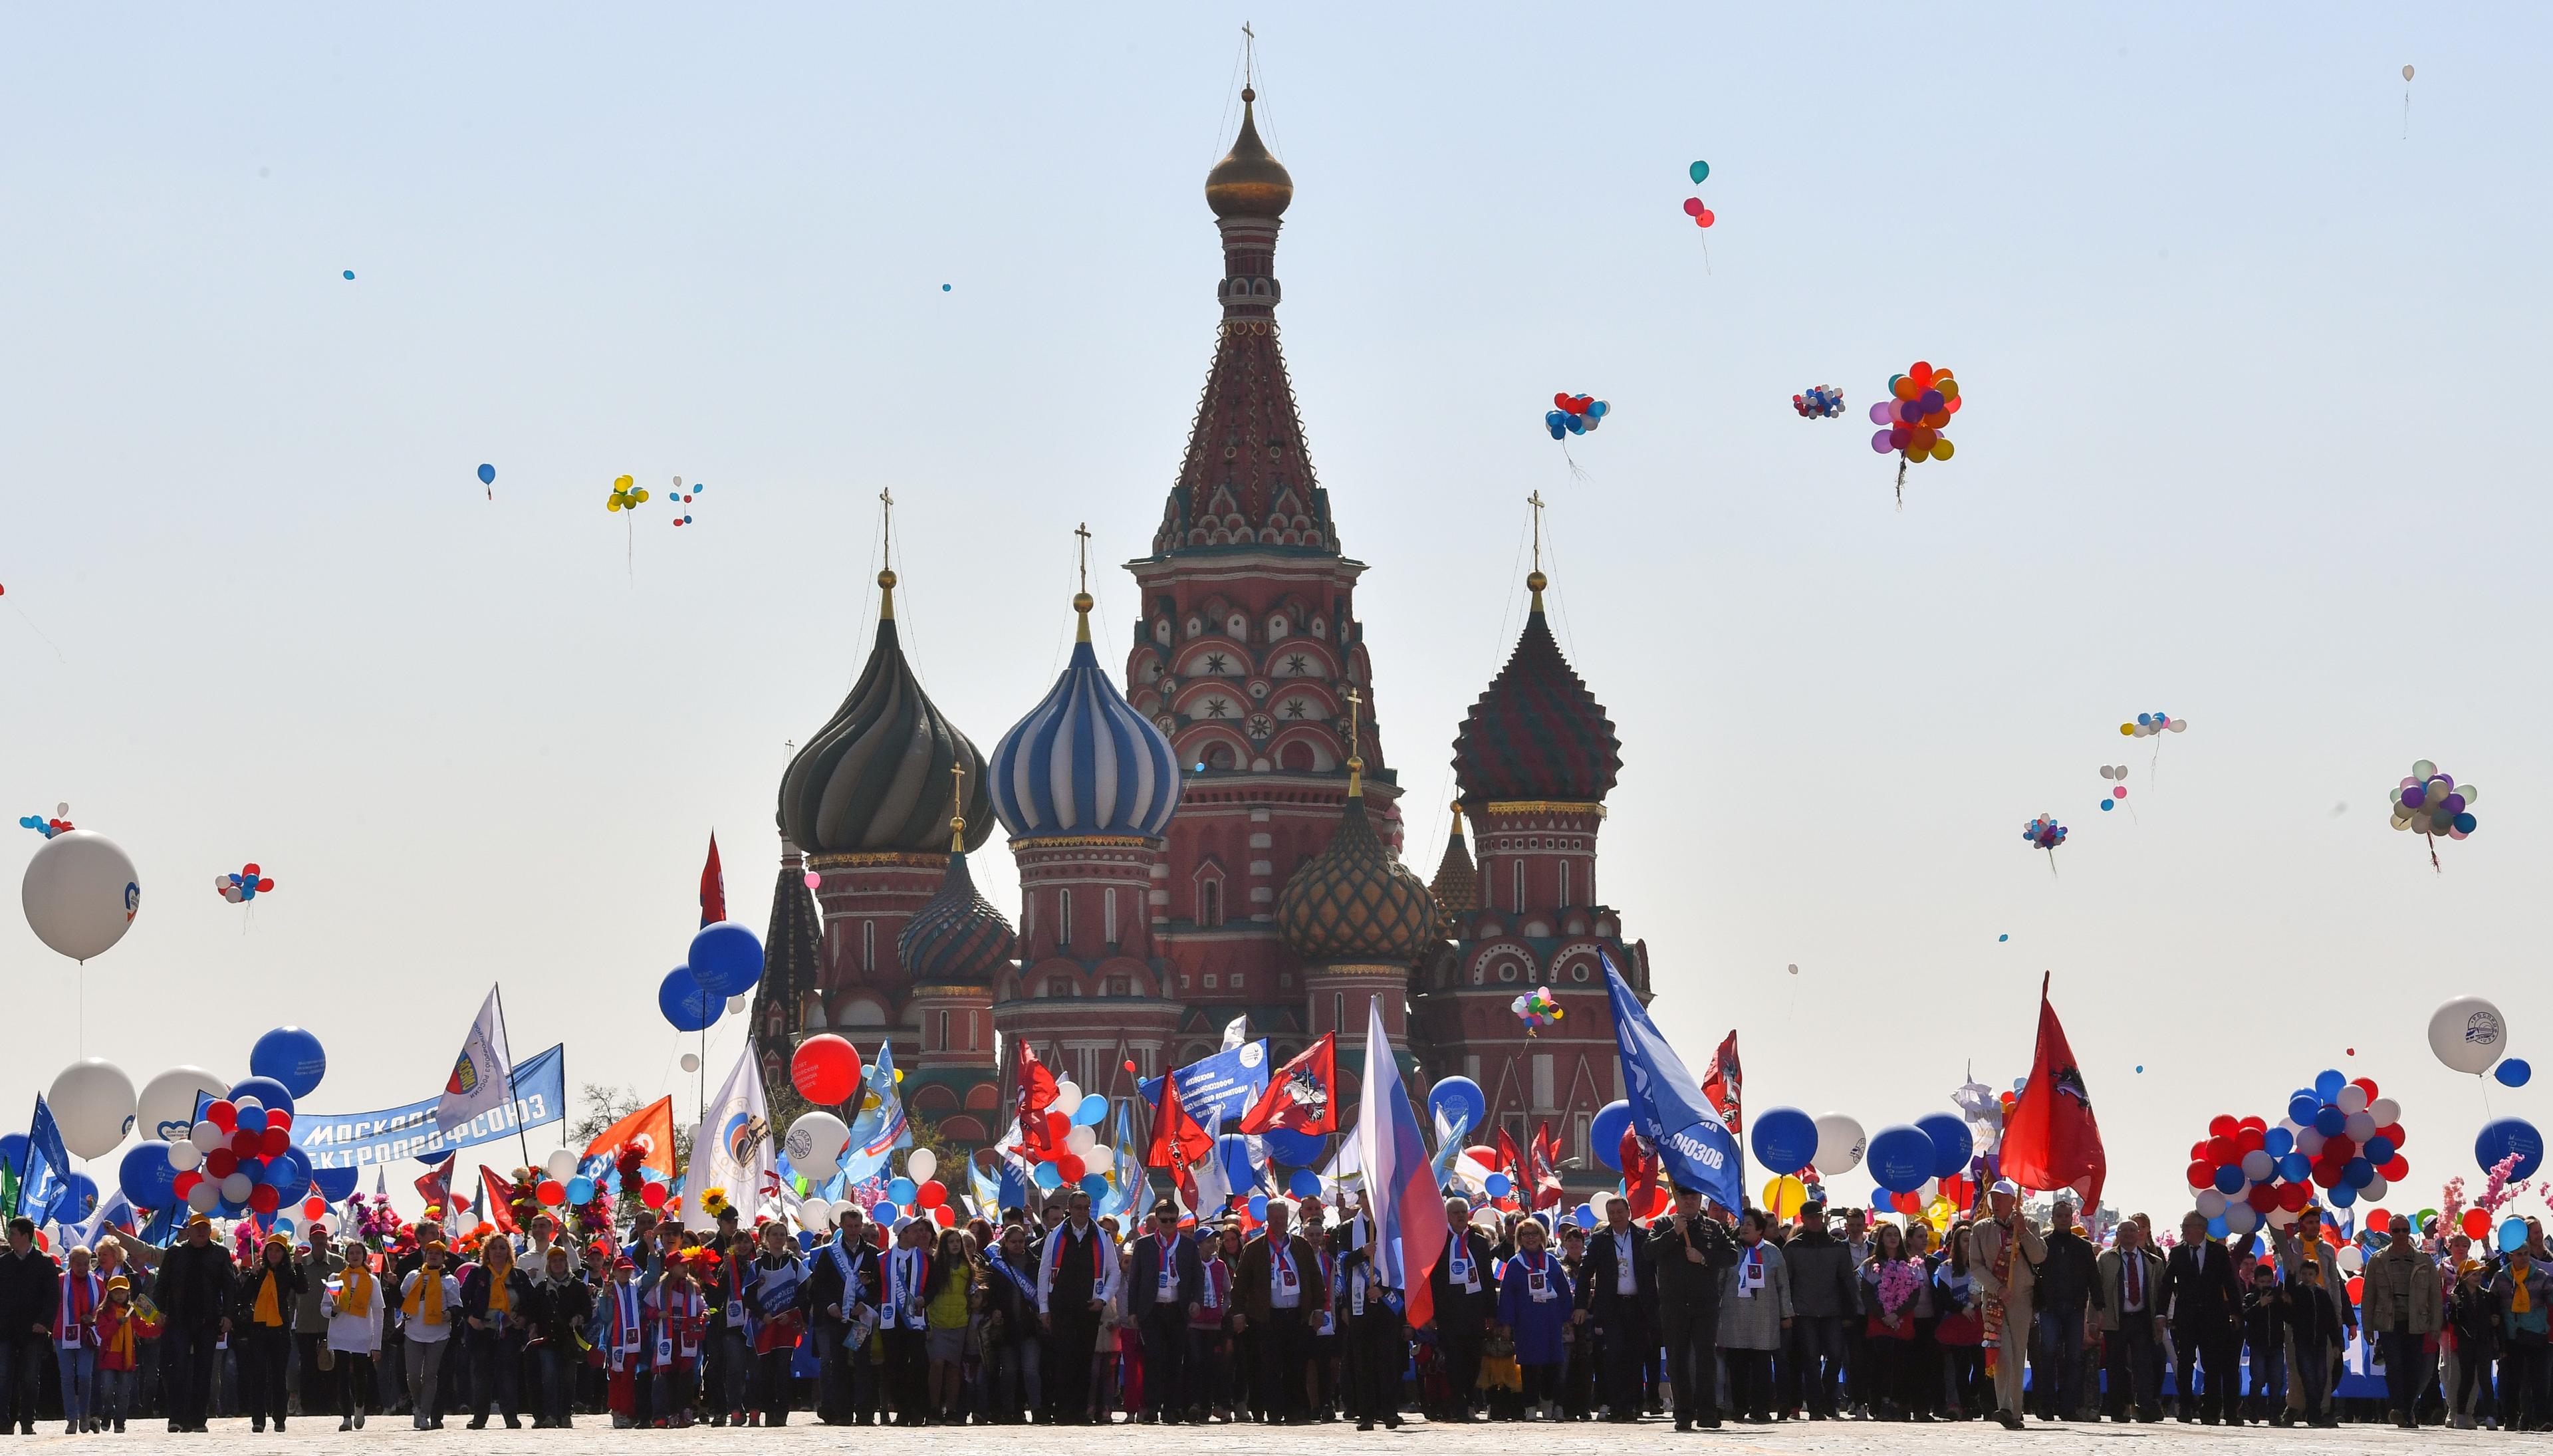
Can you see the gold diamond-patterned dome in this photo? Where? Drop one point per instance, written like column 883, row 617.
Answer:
column 1354, row 901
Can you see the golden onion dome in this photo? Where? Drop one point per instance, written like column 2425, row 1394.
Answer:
column 1356, row 902
column 1248, row 182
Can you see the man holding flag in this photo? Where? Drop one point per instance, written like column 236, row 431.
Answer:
column 1401, row 1191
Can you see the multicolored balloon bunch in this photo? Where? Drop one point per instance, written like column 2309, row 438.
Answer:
column 1537, row 1009
column 1918, row 409
column 2045, row 833
column 239, row 1159
column 2118, row 772
column 2338, row 1136
column 1694, row 207
column 682, row 494
column 1574, row 414
column 244, row 886
column 1822, row 402
column 2150, row 724
column 627, row 494
column 59, row 824
column 2435, row 804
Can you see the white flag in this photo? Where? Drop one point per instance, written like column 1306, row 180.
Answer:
column 1213, row 1189
column 483, row 1075
column 1236, row 1032
column 732, row 1149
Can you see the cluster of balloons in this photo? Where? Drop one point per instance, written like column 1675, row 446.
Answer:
column 723, row 967
column 58, row 824
column 238, row 1157
column 1073, row 1153
column 237, row 1160
column 80, row 893
column 1821, row 402
column 244, row 886
column 2150, row 724
column 2118, row 772
column 1574, row 414
column 2339, row 1136
column 1702, row 216
column 1918, row 409
column 561, row 1185
column 2468, row 1033
column 1906, row 1158
column 684, row 495
column 2045, row 833
column 2435, row 804
column 627, row 494
column 1788, row 1139
column 1537, row 1009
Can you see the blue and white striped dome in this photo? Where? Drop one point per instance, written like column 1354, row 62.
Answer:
column 1085, row 762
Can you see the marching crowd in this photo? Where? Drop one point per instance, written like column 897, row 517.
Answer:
column 1046, row 1314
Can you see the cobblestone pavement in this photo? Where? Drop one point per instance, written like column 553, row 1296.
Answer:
column 1845, row 1438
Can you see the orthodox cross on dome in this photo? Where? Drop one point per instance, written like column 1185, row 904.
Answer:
column 1356, row 750
column 1250, row 54
column 886, row 553
column 1083, row 532
column 1081, row 600
column 1537, row 581
column 957, row 808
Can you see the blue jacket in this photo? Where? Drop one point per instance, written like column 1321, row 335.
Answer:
column 1538, row 1323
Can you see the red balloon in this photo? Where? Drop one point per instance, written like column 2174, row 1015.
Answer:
column 220, row 1163
column 2367, row 1085
column 186, row 1182
column 265, row 885
column 246, row 1144
column 2198, row 1150
column 2380, row 1220
column 1069, row 1165
column 1705, row 218
column 930, row 1195
column 274, row 1141
column 313, row 1206
column 221, row 1114
column 1920, row 373
column 2247, row 1141
column 2395, row 1169
column 1561, row 400
column 2202, row 1174
column 1692, row 207
column 2326, row 1174
column 2263, row 1197
column 264, row 1198
column 2221, row 1151
column 2256, row 1124
column 2392, row 1132
column 2223, row 1125
column 249, row 872
column 2476, row 1223
column 2339, row 1149
column 2294, row 1196
column 550, row 1192
column 653, row 1195
column 826, row 1069
column 276, row 1117
column 1906, row 1203
column 945, row 1216
column 1057, row 1127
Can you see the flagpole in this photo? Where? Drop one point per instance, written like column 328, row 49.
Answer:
column 512, row 1108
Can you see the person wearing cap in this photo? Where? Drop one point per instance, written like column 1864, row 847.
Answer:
column 430, row 1303
column 262, row 1316
column 623, row 1343
column 119, row 1353
column 2004, row 1251
column 1161, row 1290
column 352, row 1306
column 1464, row 1284
column 1689, row 1250
column 194, row 1293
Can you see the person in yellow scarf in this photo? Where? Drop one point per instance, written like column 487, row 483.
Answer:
column 354, row 1310
column 495, row 1298
column 262, row 1330
column 118, row 1352
column 428, row 1300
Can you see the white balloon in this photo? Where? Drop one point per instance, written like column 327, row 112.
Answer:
column 93, row 1102
column 243, row 1104
column 185, row 1156
column 2351, row 1260
column 2241, row 1218
column 2352, row 1099
column 1840, row 1144
column 80, row 893
column 2259, row 1166
column 2309, row 1141
column 1099, row 1159
column 1079, row 1141
column 167, row 1104
column 2280, row 1218
column 2211, row 1203
column 921, row 1163
column 1067, row 1096
column 2385, row 1111
column 691, row 1061
column 237, row 1188
column 817, row 1140
column 204, row 1137
column 202, row 1196
column 560, row 1166
column 738, row 1004
column 844, row 1208
column 2359, row 1128
column 2468, row 1033
column 2376, row 1189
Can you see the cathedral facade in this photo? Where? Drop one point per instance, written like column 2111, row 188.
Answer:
column 1216, row 836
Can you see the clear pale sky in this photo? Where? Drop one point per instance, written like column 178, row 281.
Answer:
column 2249, row 375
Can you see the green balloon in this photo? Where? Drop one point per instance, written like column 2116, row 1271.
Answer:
column 1699, row 170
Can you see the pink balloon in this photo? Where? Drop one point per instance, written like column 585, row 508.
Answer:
column 1692, row 207
column 814, row 879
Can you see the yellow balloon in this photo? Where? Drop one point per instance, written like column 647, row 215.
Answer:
column 612, row 505
column 1944, row 450
column 622, row 483
column 1784, row 1195
column 1948, row 386
column 2126, row 731
column 638, row 495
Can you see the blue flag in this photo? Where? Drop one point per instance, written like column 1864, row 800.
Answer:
column 43, row 1183
column 1220, row 1087
column 1668, row 1107
column 880, row 1127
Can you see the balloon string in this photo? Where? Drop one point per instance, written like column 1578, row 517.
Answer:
column 2406, row 111
column 1706, row 238
column 38, row 631
column 1901, row 482
column 2052, row 865
column 1577, row 472
column 2433, row 852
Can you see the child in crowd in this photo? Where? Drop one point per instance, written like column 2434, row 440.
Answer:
column 119, row 1332
column 2264, row 1344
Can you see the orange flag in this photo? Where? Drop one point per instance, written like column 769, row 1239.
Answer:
column 2052, row 1140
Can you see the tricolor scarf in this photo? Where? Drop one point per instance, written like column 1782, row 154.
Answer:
column 75, row 1321
column 680, row 1317
column 1750, row 1272
column 1994, row 1302
column 626, row 1319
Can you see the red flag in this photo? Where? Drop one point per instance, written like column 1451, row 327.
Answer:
column 1303, row 1095
column 713, row 886
column 1035, row 1094
column 1546, row 1169
column 1640, row 1176
column 1178, row 1142
column 1512, row 1163
column 2051, row 1140
column 435, row 1184
column 498, row 1196
column 1721, row 1086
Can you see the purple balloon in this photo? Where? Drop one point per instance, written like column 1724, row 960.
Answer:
column 1882, row 412
column 1930, row 401
column 1879, row 442
column 2455, row 804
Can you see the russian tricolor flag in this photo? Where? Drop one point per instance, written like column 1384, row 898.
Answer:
column 1399, row 1183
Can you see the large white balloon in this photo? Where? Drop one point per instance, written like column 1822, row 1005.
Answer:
column 817, row 1140
column 1840, row 1144
column 93, row 1100
column 2241, row 1218
column 81, row 893
column 167, row 1110
column 921, row 1163
column 2468, row 1033
column 560, row 1166
column 2210, row 1204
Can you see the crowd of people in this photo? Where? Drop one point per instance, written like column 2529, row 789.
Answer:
column 1046, row 1314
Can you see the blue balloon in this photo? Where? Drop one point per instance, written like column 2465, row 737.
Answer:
column 1461, row 1100
column 1586, row 1216
column 13, row 1152
column 2230, row 1179
column 1604, row 1133
column 251, row 1119
column 2512, row 1071
column 1238, row 1171
column 580, row 1192
column 2466, row 822
column 2343, row 1195
column 687, row 1004
column 335, row 1184
column 270, row 1094
column 79, row 1191
column 1900, row 1158
column 1047, row 1176
column 2277, row 1141
column 1093, row 1107
column 2378, row 1151
column 1096, row 1185
column 289, row 1174
column 290, row 1056
column 1294, row 1149
column 1259, row 1207
column 902, row 1189
column 2301, row 1108
column 2512, row 1235
column 2327, row 1084
column 2331, row 1122
column 2296, row 1167
column 1952, row 1144
column 1496, row 1186
column 726, row 958
column 2510, row 1135
column 2216, row 1228
column 487, row 474
column 147, row 1179
column 1785, row 1140
column 2358, row 1172
column 1305, row 1183
column 1556, row 422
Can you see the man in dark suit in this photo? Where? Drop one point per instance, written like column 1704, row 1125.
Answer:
column 840, row 1293
column 1369, row 1311
column 1163, row 1290
column 2206, row 1307
column 1275, row 1294
column 1465, row 1285
column 1617, row 1286
column 1689, row 1252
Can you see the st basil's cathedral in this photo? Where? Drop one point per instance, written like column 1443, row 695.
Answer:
column 1220, row 837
